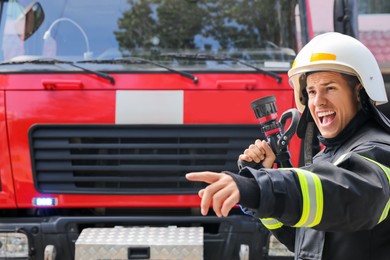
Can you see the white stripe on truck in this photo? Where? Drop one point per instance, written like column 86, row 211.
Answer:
column 149, row 107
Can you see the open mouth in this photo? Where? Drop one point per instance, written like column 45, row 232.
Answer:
column 326, row 117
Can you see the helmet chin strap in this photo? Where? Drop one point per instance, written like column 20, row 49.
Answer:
column 303, row 122
column 307, row 130
column 311, row 142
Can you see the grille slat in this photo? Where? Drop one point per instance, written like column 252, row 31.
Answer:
column 133, row 159
column 52, row 156
column 53, row 179
column 49, row 144
column 132, row 168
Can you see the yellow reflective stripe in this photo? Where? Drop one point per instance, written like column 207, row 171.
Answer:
column 271, row 223
column 386, row 170
column 385, row 212
column 322, row 56
column 313, row 198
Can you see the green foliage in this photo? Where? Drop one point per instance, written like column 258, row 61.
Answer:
column 213, row 24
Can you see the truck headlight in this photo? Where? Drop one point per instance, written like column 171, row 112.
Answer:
column 277, row 249
column 13, row 245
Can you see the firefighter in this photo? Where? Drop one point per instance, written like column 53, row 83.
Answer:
column 336, row 207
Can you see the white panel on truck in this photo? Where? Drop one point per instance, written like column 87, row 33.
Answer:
column 154, row 243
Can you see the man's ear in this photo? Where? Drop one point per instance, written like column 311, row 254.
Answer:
column 365, row 102
column 358, row 87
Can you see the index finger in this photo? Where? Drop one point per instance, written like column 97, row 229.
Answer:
column 208, row 177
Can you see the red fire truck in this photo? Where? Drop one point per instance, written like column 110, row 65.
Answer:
column 105, row 105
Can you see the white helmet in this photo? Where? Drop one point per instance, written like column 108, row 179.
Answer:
column 340, row 53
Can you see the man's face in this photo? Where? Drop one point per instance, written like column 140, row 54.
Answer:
column 332, row 103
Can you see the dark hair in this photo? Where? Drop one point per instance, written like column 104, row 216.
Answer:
column 352, row 80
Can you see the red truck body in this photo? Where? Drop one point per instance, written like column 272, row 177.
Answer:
column 105, row 105
column 85, row 99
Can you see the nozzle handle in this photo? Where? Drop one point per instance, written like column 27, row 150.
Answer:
column 286, row 136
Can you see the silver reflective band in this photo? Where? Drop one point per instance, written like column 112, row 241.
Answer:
column 313, row 198
column 340, row 159
column 271, row 223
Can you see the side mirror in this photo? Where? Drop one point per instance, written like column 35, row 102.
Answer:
column 345, row 17
column 30, row 20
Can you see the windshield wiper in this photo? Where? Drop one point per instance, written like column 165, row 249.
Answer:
column 136, row 60
column 207, row 57
column 55, row 61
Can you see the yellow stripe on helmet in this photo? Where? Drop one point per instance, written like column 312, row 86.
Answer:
column 322, row 56
column 318, row 57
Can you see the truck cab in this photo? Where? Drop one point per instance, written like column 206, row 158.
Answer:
column 106, row 105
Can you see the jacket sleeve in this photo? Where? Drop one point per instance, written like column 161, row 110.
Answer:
column 348, row 195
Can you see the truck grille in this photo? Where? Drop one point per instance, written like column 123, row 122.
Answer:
column 132, row 159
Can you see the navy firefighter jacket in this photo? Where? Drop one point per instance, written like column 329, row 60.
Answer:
column 336, row 208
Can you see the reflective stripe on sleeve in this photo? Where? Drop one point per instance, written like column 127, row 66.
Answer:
column 386, row 170
column 271, row 223
column 313, row 198
column 340, row 159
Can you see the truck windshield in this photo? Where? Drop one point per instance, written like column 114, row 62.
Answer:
column 259, row 32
